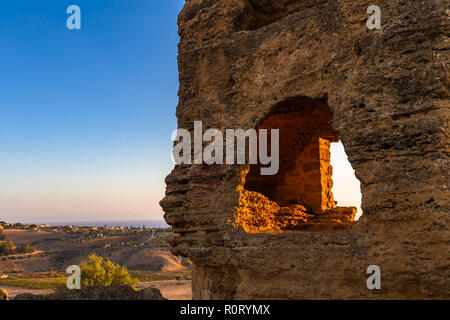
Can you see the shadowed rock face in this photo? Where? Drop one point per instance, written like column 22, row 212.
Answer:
column 243, row 61
column 98, row 293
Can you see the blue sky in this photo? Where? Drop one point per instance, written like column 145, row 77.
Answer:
column 86, row 115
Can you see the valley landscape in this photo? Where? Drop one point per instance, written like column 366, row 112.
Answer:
column 145, row 252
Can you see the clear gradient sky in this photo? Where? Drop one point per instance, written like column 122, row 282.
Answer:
column 86, row 115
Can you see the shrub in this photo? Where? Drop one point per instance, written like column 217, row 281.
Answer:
column 25, row 249
column 6, row 248
column 97, row 271
column 3, row 294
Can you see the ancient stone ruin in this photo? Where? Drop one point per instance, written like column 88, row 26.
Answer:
column 313, row 70
column 299, row 197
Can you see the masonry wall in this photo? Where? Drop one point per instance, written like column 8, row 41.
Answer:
column 302, row 184
column 326, row 175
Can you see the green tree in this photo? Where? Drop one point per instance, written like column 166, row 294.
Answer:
column 2, row 236
column 25, row 249
column 6, row 248
column 97, row 271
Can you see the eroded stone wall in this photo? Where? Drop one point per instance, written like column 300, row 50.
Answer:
column 242, row 60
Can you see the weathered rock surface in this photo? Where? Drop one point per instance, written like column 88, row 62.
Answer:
column 242, row 61
column 98, row 293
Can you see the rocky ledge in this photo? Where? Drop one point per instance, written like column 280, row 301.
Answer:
column 98, row 293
